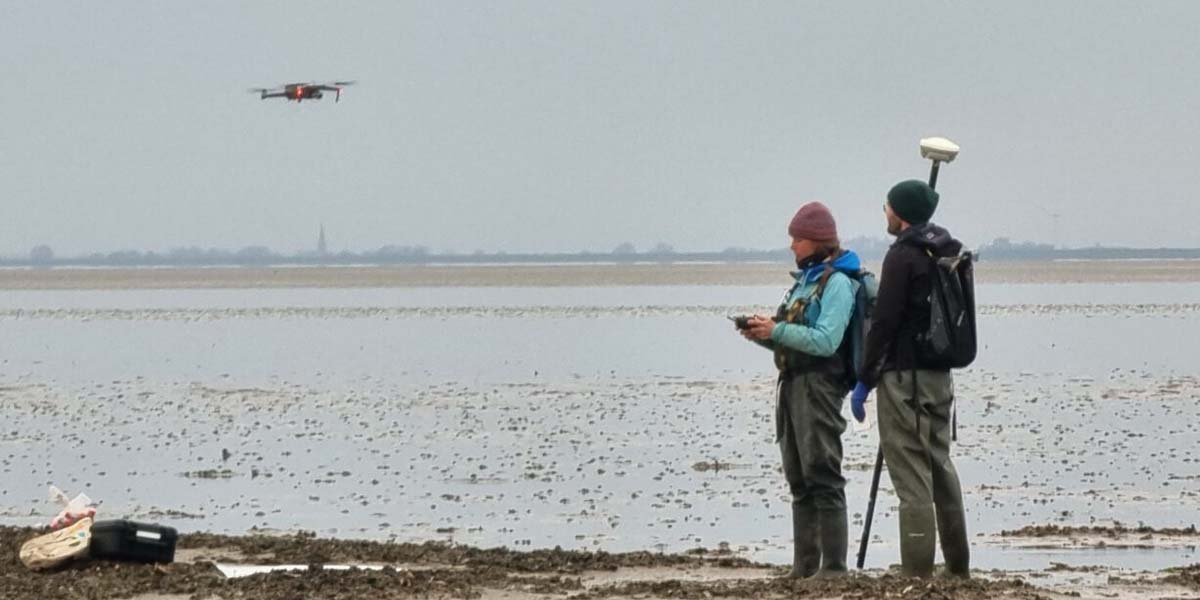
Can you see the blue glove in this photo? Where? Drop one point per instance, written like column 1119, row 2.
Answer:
column 858, row 398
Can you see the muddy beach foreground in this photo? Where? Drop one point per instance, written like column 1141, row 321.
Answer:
column 442, row 570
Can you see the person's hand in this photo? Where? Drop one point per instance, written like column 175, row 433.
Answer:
column 760, row 328
column 858, row 401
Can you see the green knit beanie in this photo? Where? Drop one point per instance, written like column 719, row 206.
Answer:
column 913, row 200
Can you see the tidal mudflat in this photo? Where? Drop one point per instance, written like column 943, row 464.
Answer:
column 600, row 413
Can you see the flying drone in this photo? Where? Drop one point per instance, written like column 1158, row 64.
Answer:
column 303, row 91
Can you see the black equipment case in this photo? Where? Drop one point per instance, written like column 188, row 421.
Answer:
column 128, row 540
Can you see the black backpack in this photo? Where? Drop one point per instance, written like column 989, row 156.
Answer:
column 860, row 323
column 854, row 341
column 950, row 341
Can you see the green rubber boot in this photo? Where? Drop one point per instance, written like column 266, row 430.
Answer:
column 918, row 540
column 806, row 556
column 956, row 550
column 833, row 542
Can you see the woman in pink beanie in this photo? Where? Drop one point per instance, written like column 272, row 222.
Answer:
column 812, row 350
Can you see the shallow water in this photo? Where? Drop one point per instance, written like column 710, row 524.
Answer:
column 535, row 417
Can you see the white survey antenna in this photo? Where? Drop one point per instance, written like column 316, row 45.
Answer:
column 938, row 149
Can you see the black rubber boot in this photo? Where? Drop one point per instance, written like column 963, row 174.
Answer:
column 806, row 556
column 952, row 532
column 918, row 540
column 833, row 542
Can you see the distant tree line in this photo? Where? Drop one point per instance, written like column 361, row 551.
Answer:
column 1006, row 249
column 870, row 249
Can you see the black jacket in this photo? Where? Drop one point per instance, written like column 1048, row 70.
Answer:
column 902, row 307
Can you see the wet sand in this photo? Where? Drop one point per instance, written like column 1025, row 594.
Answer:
column 598, row 465
column 549, row 275
column 585, row 456
column 440, row 570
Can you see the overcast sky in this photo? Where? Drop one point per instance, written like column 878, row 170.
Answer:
column 562, row 126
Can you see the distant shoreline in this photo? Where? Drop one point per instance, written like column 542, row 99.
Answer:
column 869, row 249
column 550, row 275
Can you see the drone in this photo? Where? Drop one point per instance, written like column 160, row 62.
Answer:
column 303, row 91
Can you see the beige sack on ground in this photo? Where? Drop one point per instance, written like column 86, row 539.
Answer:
column 57, row 547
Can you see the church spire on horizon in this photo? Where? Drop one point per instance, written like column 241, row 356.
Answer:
column 322, row 248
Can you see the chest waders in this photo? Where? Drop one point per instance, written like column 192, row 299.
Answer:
column 866, row 534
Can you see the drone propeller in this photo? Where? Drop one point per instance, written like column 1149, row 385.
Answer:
column 342, row 83
column 259, row 90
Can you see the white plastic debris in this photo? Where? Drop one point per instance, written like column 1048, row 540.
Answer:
column 234, row 571
column 79, row 507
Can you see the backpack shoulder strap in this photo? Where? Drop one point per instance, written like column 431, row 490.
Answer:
column 825, row 275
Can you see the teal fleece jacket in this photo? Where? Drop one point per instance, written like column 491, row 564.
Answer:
column 826, row 318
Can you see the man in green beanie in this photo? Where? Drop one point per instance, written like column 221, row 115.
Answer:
column 914, row 398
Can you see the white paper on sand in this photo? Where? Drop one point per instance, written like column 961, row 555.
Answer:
column 235, row 571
